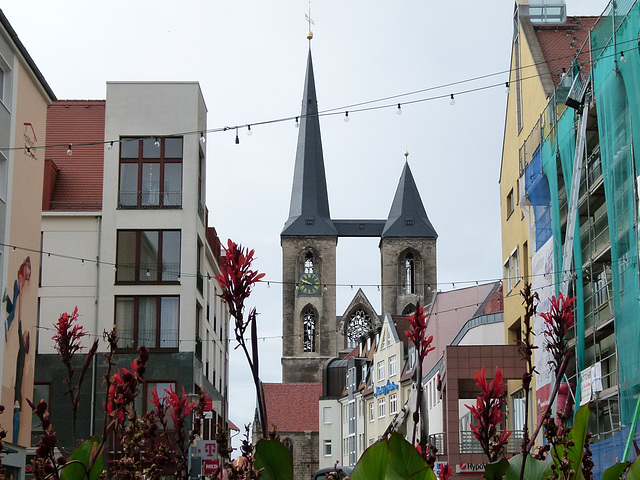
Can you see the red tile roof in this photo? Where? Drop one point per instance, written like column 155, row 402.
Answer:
column 293, row 407
column 78, row 184
column 560, row 44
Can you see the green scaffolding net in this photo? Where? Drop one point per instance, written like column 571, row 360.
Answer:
column 616, row 84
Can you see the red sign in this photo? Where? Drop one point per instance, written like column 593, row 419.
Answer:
column 211, row 467
column 208, row 404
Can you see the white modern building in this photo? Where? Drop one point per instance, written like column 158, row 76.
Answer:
column 125, row 238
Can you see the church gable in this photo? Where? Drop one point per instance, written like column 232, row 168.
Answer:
column 359, row 318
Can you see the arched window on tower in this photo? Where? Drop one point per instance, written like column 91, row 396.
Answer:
column 309, row 328
column 308, row 262
column 359, row 324
column 410, row 273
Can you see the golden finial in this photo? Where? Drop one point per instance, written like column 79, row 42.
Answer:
column 406, row 154
column 310, row 22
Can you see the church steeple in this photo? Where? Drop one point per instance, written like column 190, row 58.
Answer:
column 309, row 207
column 407, row 217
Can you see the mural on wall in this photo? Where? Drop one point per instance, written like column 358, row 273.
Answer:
column 17, row 347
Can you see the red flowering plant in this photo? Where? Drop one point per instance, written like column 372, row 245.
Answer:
column 489, row 416
column 177, row 408
column 67, row 342
column 417, row 333
column 236, row 281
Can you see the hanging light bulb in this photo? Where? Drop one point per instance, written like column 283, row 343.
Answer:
column 346, row 116
column 148, row 273
column 110, row 147
column 237, row 138
column 157, row 143
column 249, row 132
column 453, row 100
column 297, row 123
column 506, row 87
column 69, row 152
column 399, row 111
column 202, row 139
column 623, row 59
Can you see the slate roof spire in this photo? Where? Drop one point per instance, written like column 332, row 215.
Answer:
column 309, row 207
column 407, row 217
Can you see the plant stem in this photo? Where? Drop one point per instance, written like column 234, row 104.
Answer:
column 561, row 370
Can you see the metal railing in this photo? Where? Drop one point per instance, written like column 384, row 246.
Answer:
column 468, row 443
column 149, row 199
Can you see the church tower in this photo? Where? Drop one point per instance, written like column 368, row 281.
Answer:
column 407, row 251
column 308, row 241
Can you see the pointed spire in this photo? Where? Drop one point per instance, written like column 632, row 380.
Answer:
column 407, row 217
column 309, row 207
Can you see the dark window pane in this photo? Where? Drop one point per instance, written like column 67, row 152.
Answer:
column 129, row 148
column 172, row 184
column 128, row 184
column 170, row 314
column 126, row 260
column 173, row 147
column 147, row 317
column 149, row 149
column 125, row 321
column 150, row 194
column 170, row 256
column 148, row 256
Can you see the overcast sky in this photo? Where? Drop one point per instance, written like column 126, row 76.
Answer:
column 249, row 58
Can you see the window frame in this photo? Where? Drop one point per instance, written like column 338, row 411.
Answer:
column 393, row 371
column 326, row 416
column 372, row 411
column 381, row 371
column 135, row 331
column 327, row 451
column 382, row 406
column 393, row 403
column 137, row 269
column 140, row 161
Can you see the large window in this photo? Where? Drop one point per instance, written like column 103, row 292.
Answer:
column 150, row 321
column 150, row 173
column 148, row 256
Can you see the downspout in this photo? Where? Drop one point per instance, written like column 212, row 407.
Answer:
column 94, row 367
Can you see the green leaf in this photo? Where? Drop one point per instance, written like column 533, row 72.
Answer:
column 496, row 470
column 373, row 462
column 275, row 459
column 83, row 454
column 534, row 469
column 615, row 471
column 405, row 462
column 634, row 470
column 577, row 434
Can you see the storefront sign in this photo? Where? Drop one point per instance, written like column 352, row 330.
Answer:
column 383, row 390
column 470, row 467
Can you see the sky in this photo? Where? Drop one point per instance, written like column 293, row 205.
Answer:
column 250, row 57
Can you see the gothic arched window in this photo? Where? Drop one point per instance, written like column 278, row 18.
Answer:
column 288, row 443
column 409, row 309
column 308, row 262
column 410, row 273
column 359, row 324
column 309, row 328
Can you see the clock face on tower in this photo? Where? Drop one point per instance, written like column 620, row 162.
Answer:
column 309, row 284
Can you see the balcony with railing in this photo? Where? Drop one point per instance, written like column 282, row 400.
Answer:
column 149, row 199
column 468, row 443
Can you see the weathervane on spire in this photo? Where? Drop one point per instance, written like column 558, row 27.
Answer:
column 310, row 22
